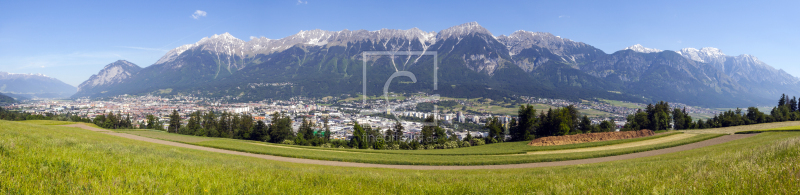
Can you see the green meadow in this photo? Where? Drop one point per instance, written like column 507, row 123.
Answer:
column 40, row 159
column 492, row 154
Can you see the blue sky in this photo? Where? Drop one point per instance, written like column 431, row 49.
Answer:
column 71, row 40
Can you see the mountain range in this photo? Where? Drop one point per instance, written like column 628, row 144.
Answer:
column 472, row 62
column 34, row 86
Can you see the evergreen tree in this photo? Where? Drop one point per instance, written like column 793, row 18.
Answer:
column 260, row 132
column 783, row 100
column 495, row 129
column 586, row 125
column 398, row 131
column 607, row 126
column 678, row 119
column 174, row 122
column 280, row 128
column 327, row 130
column 359, row 137
column 523, row 128
column 151, row 122
column 427, row 132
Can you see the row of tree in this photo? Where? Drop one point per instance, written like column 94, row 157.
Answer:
column 21, row 116
column 660, row 117
column 111, row 121
column 555, row 122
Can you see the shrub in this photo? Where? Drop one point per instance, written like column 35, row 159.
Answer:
column 463, row 144
column 477, row 142
column 405, row 146
column 393, row 146
column 339, row 143
column 414, row 145
column 450, row 145
column 288, row 142
column 430, row 147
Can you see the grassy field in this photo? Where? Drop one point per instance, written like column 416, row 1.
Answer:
column 405, row 159
column 789, row 128
column 595, row 113
column 37, row 159
column 621, row 104
column 702, row 116
column 48, row 122
column 361, row 97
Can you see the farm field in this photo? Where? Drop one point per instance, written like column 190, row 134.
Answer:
column 621, row 104
column 38, row 159
column 666, row 139
column 789, row 128
column 358, row 156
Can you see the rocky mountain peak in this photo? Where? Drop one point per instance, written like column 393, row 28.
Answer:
column 113, row 73
column 224, row 43
column 521, row 39
column 641, row 49
column 462, row 30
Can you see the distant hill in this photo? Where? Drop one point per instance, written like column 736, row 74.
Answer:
column 471, row 63
column 34, row 86
column 6, row 99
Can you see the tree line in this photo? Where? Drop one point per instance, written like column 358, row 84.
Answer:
column 10, row 115
column 660, row 117
column 555, row 122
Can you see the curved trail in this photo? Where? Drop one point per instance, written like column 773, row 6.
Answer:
column 701, row 144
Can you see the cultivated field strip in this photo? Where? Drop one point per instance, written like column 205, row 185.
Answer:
column 667, row 139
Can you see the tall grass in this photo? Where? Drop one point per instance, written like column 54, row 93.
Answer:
column 37, row 159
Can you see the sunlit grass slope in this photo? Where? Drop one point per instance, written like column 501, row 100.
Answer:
column 36, row 159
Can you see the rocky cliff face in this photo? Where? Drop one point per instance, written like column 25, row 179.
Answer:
column 740, row 68
column 564, row 50
column 114, row 73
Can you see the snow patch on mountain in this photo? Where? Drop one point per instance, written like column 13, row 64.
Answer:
column 641, row 49
column 462, row 30
column 740, row 67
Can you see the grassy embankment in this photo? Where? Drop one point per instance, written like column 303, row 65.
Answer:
column 38, row 159
column 445, row 157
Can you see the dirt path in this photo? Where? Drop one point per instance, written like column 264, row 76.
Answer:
column 710, row 142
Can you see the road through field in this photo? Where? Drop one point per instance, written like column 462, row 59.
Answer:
column 705, row 143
